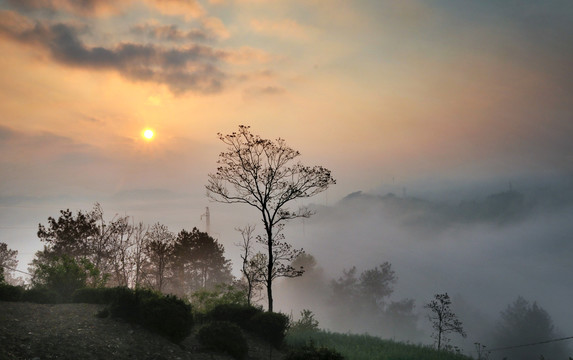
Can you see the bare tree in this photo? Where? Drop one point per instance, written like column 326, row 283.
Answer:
column 122, row 243
column 252, row 267
column 444, row 320
column 265, row 175
column 159, row 249
column 137, row 255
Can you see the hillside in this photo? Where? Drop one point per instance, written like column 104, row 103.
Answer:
column 72, row 331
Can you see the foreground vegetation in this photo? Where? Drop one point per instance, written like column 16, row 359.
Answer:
column 223, row 327
column 366, row 347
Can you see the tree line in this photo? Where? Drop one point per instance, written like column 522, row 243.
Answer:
column 121, row 252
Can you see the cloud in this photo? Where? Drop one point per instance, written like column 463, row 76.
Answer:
column 210, row 29
column 192, row 68
column 170, row 33
column 216, row 27
column 188, row 8
column 286, row 29
column 263, row 91
column 83, row 7
column 43, row 163
column 247, row 55
column 20, row 147
column 35, row 162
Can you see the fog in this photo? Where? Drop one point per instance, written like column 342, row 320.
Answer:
column 484, row 248
column 483, row 244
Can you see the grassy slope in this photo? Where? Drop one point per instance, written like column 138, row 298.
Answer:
column 366, row 347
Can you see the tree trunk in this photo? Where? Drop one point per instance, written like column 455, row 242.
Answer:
column 270, row 270
column 249, row 291
column 440, row 332
column 270, row 294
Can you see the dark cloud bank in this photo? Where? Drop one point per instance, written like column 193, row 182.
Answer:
column 193, row 68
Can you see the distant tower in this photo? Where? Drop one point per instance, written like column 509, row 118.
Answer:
column 207, row 221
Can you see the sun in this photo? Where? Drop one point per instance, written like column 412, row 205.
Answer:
column 148, row 134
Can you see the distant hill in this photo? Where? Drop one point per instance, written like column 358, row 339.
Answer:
column 498, row 208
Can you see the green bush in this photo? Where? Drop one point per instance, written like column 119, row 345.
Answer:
column 225, row 337
column 235, row 313
column 102, row 295
column 92, row 296
column 124, row 304
column 206, row 300
column 312, row 353
column 306, row 323
column 41, row 295
column 10, row 292
column 168, row 316
column 64, row 275
column 270, row 326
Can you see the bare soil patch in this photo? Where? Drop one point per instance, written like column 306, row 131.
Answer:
column 72, row 331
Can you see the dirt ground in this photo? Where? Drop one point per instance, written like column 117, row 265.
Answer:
column 72, row 331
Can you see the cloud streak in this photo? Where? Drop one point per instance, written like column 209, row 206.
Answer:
column 191, row 8
column 209, row 31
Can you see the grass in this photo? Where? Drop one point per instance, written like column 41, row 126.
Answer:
column 366, row 347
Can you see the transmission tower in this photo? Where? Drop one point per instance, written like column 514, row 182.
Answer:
column 207, row 217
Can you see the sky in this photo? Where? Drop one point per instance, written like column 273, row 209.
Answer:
column 431, row 98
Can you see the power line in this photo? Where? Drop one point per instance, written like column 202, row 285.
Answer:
column 20, row 271
column 531, row 344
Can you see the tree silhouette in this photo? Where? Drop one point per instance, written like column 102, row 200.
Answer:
column 159, row 250
column 444, row 320
column 265, row 175
column 199, row 262
column 522, row 323
column 8, row 262
column 69, row 235
column 86, row 236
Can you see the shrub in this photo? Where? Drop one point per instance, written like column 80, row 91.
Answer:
column 306, row 323
column 235, row 313
column 168, row 316
column 10, row 292
column 312, row 353
column 124, row 304
column 270, row 326
column 224, row 336
column 91, row 296
column 101, row 295
column 41, row 295
column 206, row 300
column 64, row 275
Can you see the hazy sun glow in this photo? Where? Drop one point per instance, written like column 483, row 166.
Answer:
column 148, row 134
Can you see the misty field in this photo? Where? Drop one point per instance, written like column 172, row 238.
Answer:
column 367, row 347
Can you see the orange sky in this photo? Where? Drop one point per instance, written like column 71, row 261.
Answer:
column 408, row 88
